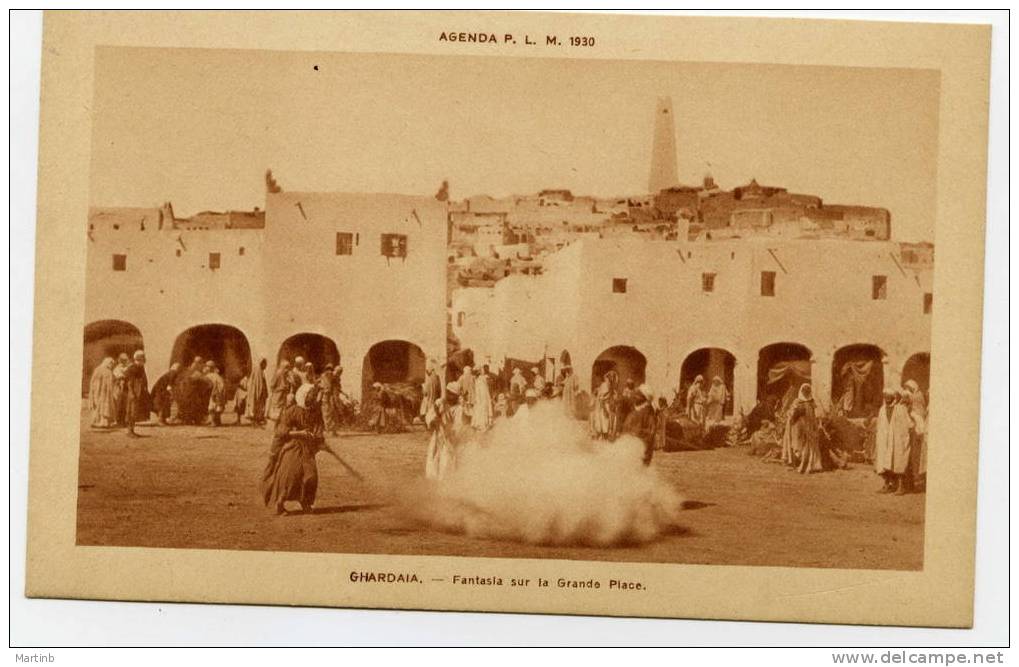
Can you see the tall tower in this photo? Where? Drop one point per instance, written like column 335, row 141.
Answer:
column 664, row 172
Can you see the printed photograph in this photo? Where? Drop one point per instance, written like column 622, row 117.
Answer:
column 542, row 308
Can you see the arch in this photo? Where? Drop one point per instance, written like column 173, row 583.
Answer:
column 227, row 346
column 316, row 348
column 918, row 368
column 781, row 369
column 857, row 379
column 627, row 361
column 709, row 362
column 392, row 362
column 107, row 338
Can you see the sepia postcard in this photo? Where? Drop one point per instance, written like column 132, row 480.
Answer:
column 551, row 313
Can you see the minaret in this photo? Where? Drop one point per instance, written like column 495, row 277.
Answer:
column 664, row 172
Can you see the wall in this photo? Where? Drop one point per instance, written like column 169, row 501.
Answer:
column 823, row 301
column 288, row 280
column 364, row 298
column 163, row 293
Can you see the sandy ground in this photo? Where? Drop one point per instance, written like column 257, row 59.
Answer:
column 196, row 487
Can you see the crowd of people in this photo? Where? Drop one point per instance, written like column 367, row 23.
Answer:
column 467, row 407
column 305, row 405
column 119, row 395
column 473, row 402
column 900, row 445
column 800, row 435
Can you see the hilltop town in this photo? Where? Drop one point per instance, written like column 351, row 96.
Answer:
column 663, row 285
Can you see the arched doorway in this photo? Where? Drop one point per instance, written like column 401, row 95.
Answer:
column 227, row 346
column 781, row 369
column 392, row 362
column 316, row 348
column 858, row 378
column 107, row 338
column 627, row 361
column 709, row 363
column 918, row 368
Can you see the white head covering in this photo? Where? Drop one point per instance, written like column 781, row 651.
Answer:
column 301, row 397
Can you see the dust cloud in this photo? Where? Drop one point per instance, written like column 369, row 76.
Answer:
column 537, row 477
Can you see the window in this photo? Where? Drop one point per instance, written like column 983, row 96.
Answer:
column 619, row 285
column 240, row 251
column 178, row 252
column 878, row 287
column 213, row 260
column 767, row 283
column 707, row 282
column 120, row 262
column 460, row 318
column 928, row 301
column 394, row 245
column 344, row 243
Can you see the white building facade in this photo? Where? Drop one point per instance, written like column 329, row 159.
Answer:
column 340, row 278
column 743, row 307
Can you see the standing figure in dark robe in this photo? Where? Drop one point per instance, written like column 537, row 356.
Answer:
column 763, row 411
column 136, row 389
column 623, row 405
column 291, row 473
column 120, row 388
column 191, row 391
column 386, row 410
column 162, row 393
column 258, row 395
column 642, row 422
column 279, row 390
